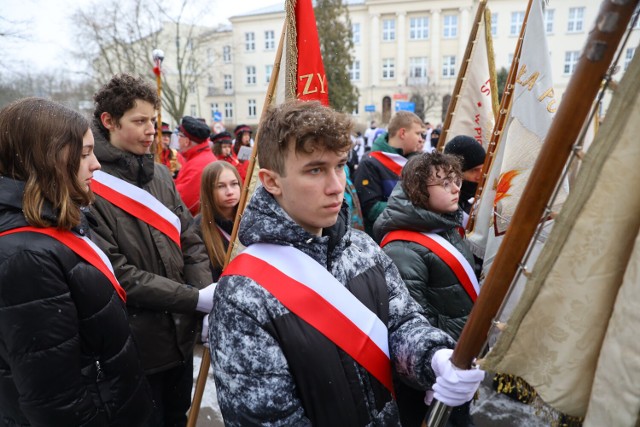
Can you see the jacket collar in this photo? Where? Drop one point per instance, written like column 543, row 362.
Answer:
column 195, row 150
column 11, row 215
column 264, row 221
column 382, row 144
column 401, row 214
column 137, row 170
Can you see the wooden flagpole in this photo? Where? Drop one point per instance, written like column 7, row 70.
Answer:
column 206, row 355
column 461, row 74
column 158, row 57
column 603, row 41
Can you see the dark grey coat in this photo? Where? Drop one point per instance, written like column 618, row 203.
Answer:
column 429, row 279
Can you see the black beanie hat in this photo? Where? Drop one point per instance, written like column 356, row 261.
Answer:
column 194, row 129
column 468, row 148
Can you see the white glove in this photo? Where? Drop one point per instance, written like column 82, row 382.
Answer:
column 453, row 386
column 204, row 335
column 205, row 299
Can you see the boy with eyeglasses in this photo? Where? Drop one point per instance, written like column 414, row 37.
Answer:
column 420, row 230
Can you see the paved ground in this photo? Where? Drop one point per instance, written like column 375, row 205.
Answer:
column 490, row 410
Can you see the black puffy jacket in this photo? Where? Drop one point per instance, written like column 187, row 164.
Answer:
column 67, row 356
column 430, row 280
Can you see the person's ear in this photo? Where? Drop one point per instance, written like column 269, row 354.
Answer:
column 270, row 181
column 107, row 121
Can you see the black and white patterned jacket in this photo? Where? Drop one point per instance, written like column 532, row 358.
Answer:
column 272, row 368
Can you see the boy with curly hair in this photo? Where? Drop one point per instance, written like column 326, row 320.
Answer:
column 421, row 232
column 144, row 228
column 312, row 321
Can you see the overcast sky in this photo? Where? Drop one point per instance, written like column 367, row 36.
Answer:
column 49, row 29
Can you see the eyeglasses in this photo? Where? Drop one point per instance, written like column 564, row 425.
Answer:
column 447, row 183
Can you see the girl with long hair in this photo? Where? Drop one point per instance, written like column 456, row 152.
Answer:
column 67, row 356
column 219, row 198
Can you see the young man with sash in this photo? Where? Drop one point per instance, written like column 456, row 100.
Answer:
column 421, row 232
column 379, row 170
column 144, row 228
column 312, row 323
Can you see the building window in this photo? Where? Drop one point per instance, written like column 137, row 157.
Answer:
column 269, row 40
column 192, row 88
column 548, row 20
column 355, row 31
column 450, row 27
column 209, row 55
column 192, row 109
column 228, row 110
column 628, row 56
column 419, row 28
column 570, row 61
column 251, row 75
column 448, row 66
column 418, row 67
column 388, row 30
column 228, row 82
column 517, row 18
column 226, row 54
column 191, row 66
column 354, row 71
column 214, row 108
column 494, row 24
column 250, row 42
column 267, row 73
column 356, row 110
column 576, row 19
column 388, row 68
column 253, row 109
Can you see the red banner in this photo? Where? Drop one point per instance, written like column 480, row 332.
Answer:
column 312, row 80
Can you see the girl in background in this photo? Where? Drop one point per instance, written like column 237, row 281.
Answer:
column 219, row 198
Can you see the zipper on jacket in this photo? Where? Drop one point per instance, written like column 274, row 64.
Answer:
column 99, row 372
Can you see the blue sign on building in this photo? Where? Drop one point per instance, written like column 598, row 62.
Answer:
column 370, row 108
column 217, row 116
column 406, row 106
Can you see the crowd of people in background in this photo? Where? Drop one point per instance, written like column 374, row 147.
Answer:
column 112, row 265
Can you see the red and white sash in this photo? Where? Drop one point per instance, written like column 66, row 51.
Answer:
column 137, row 202
column 393, row 162
column 83, row 247
column 446, row 251
column 318, row 298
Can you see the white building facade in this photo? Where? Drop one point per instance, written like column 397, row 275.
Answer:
column 401, row 47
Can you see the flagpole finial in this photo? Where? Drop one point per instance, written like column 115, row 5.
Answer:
column 158, row 55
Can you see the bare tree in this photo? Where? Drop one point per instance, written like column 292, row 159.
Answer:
column 119, row 37
column 426, row 98
column 55, row 85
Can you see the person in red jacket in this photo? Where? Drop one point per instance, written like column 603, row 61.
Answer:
column 193, row 137
column 223, row 150
column 170, row 156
